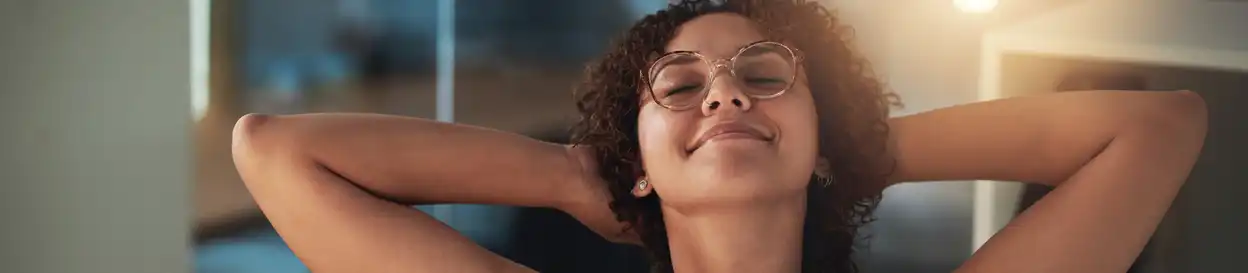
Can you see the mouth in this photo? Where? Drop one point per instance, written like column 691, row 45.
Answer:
column 735, row 130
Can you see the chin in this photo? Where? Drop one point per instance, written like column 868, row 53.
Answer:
column 731, row 165
column 736, row 182
column 734, row 156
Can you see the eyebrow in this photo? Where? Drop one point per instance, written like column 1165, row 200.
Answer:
column 681, row 61
column 699, row 52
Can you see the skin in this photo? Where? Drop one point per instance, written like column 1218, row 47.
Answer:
column 336, row 186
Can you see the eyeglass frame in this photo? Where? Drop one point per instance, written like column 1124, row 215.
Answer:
column 715, row 66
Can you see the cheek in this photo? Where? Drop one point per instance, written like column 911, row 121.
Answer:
column 798, row 122
column 797, row 117
column 659, row 135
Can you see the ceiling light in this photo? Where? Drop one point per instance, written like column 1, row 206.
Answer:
column 975, row 6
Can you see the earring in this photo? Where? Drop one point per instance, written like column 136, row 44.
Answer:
column 823, row 172
column 641, row 184
column 826, row 180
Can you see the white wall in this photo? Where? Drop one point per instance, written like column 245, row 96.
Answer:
column 94, row 154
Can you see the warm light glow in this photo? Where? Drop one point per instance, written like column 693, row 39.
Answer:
column 975, row 6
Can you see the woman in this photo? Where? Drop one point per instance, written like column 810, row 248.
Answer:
column 767, row 139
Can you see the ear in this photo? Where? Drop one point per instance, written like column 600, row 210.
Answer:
column 642, row 187
column 823, row 167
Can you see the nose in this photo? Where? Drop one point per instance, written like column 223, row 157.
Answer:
column 725, row 93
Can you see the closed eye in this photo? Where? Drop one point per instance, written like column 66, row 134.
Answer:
column 763, row 80
column 682, row 89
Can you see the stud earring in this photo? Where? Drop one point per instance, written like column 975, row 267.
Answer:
column 823, row 172
column 826, row 180
column 641, row 184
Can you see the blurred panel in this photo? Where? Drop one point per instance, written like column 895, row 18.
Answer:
column 95, row 110
column 1202, row 230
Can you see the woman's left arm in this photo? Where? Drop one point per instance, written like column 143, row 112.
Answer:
column 1118, row 158
column 1038, row 139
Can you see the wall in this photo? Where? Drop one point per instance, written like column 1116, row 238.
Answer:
column 94, row 103
column 1208, row 24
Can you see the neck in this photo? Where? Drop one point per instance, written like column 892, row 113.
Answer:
column 761, row 236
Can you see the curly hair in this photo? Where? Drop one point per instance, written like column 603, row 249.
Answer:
column 851, row 103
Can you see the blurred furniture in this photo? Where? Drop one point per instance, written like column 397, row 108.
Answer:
column 513, row 72
column 1196, row 45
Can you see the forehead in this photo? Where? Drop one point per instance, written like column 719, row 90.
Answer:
column 717, row 35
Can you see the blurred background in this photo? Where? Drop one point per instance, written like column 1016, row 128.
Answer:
column 117, row 114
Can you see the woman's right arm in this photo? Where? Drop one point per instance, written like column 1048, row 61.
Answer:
column 337, row 187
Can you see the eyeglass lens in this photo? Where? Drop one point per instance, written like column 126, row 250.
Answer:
column 761, row 70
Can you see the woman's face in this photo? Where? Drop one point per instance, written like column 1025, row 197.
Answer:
column 729, row 147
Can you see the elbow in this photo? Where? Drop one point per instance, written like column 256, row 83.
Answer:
column 1170, row 125
column 255, row 138
column 246, row 134
column 262, row 145
column 1192, row 108
column 1182, row 113
column 243, row 143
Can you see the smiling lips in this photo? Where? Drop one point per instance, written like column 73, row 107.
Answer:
column 730, row 130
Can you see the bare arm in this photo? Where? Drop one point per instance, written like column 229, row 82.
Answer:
column 336, row 186
column 1039, row 139
column 1118, row 159
column 419, row 161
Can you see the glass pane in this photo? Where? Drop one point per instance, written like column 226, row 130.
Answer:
column 517, row 61
column 338, row 55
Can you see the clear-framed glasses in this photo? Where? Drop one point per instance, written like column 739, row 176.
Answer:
column 681, row 80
